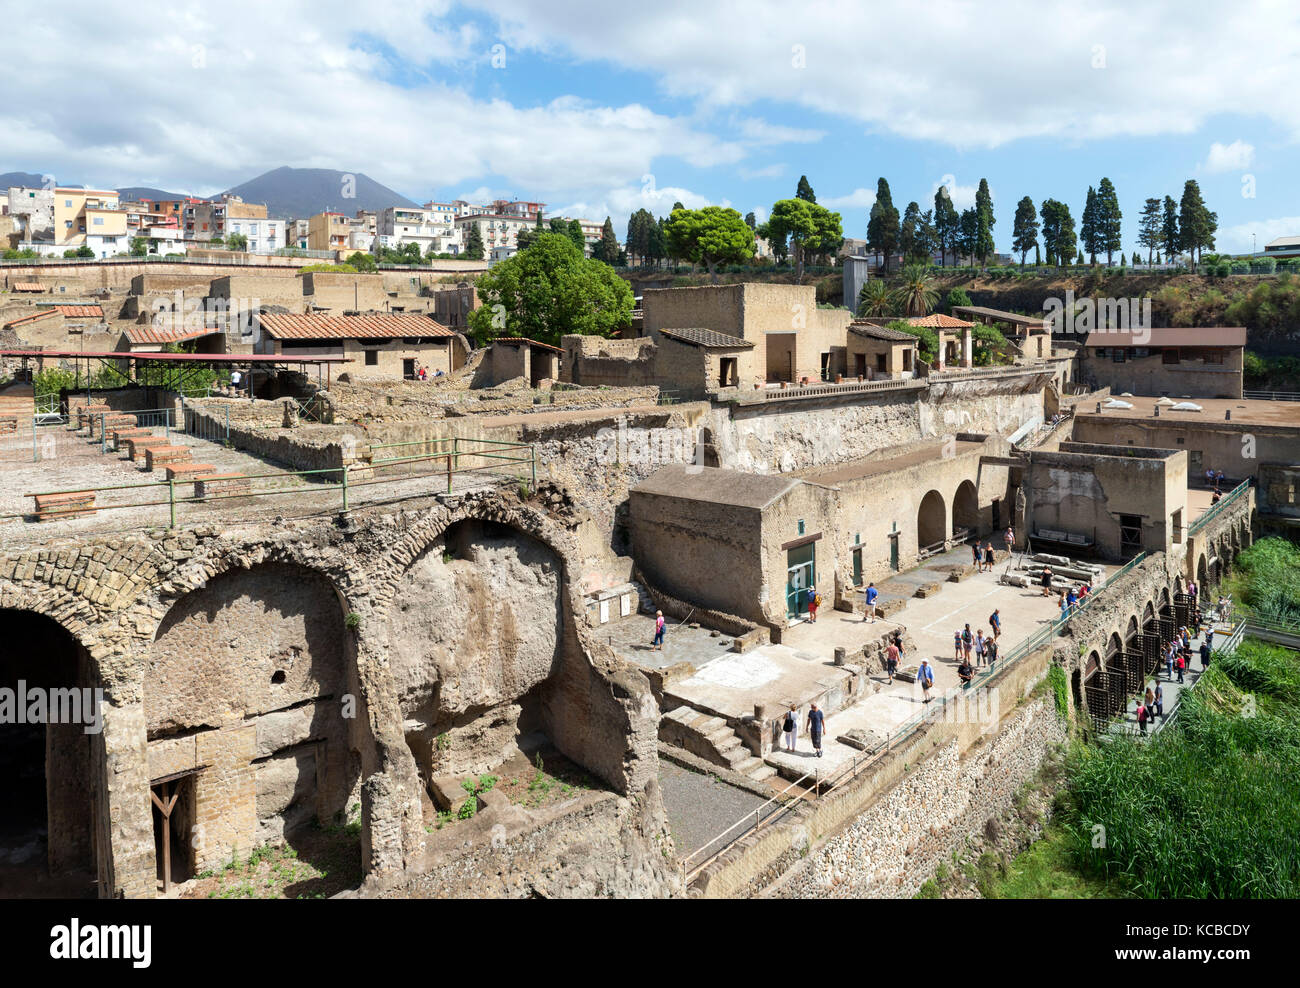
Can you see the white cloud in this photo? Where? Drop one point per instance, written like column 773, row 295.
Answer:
column 769, row 171
column 1233, row 157
column 194, row 103
column 1237, row 239
column 967, row 74
column 962, row 196
column 620, row 203
column 857, row 199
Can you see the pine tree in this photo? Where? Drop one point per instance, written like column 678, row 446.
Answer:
column 1196, row 223
column 474, row 243
column 751, row 221
column 1089, row 226
column 1025, row 228
column 805, row 191
column 946, row 222
column 883, row 227
column 1169, row 233
column 1058, row 232
column 984, row 221
column 607, row 249
column 575, row 234
column 1149, row 227
column 1109, row 219
column 907, row 233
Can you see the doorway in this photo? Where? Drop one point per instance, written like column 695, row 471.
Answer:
column 173, row 819
column 408, row 369
column 801, row 573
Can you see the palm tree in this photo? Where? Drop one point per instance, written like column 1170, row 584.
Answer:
column 915, row 294
column 874, row 299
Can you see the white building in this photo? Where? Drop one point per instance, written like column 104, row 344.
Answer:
column 432, row 227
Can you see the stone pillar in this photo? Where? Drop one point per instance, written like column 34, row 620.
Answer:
column 764, row 715
column 125, row 849
column 967, row 348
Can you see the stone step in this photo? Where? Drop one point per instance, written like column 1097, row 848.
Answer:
column 755, row 768
column 727, row 744
column 707, row 724
column 683, row 715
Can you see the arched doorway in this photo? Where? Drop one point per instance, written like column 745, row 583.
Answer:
column 250, row 702
column 931, row 521
column 966, row 509
column 47, row 776
column 1202, row 576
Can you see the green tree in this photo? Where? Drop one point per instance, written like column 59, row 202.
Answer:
column 548, row 291
column 1058, row 232
column 576, row 235
column 1196, row 224
column 362, row 261
column 968, row 231
column 947, row 224
column 915, row 294
column 1109, row 219
column 236, row 241
column 805, row 191
column 607, row 249
column 1170, row 235
column 803, row 227
column 710, row 236
column 1089, row 232
column 1149, row 231
column 926, row 236
column 1025, row 228
column 908, row 232
column 139, row 246
column 474, row 243
column 883, row 228
column 956, row 297
column 751, row 221
column 984, row 222
column 875, row 299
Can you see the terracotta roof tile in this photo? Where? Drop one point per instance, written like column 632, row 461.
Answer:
column 939, row 320
column 368, row 327
column 138, row 335
column 24, row 320
column 706, row 338
column 81, row 311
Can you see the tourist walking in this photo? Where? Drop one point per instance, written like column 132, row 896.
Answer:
column 988, row 556
column 956, row 645
column 790, row 728
column 891, row 659
column 814, row 600
column 979, row 559
column 990, row 651
column 979, row 647
column 1180, row 663
column 967, row 642
column 925, row 676
column 1009, row 537
column 869, row 602
column 1205, row 652
column 1169, row 660
column 1159, row 700
column 995, row 623
column 1065, row 608
column 1046, row 581
column 1142, row 717
column 658, row 644
column 816, row 724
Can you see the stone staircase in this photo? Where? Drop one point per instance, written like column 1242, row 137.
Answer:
column 712, row 739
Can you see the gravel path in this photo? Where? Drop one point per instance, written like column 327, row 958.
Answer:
column 700, row 806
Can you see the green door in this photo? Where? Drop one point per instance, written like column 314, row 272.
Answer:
column 800, row 575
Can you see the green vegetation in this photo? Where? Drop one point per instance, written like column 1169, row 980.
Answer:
column 709, row 236
column 236, row 241
column 327, row 269
column 1056, row 681
column 1267, row 580
column 915, row 294
column 802, row 227
column 1207, row 809
column 549, row 290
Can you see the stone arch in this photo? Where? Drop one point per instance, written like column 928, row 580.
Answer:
column 476, row 633
column 1148, row 617
column 966, row 508
column 1166, row 603
column 250, row 691
column 1114, row 648
column 1131, row 631
column 50, row 769
column 1202, row 574
column 931, row 520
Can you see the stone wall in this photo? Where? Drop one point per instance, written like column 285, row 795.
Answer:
column 890, row 850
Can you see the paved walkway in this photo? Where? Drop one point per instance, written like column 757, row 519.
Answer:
column 1173, row 690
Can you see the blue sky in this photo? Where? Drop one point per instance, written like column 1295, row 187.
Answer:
column 600, row 111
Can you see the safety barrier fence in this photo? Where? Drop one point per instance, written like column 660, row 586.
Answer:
column 1217, row 509
column 459, row 457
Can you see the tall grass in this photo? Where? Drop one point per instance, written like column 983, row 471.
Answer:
column 1268, row 580
column 1210, row 808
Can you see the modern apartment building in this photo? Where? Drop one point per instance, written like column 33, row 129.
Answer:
column 328, row 231
column 432, row 228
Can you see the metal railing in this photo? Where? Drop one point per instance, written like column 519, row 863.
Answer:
column 345, row 484
column 1216, row 509
column 1272, row 395
column 848, row 387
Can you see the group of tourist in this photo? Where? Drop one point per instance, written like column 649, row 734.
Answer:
column 1072, row 597
column 422, row 372
column 1178, row 660
column 983, row 557
column 984, row 650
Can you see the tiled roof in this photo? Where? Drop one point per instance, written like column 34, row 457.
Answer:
column 521, row 341
column 148, row 334
column 23, row 320
column 29, row 286
column 379, row 326
column 706, row 338
column 881, row 332
column 1212, row 336
column 938, row 320
column 81, row 311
